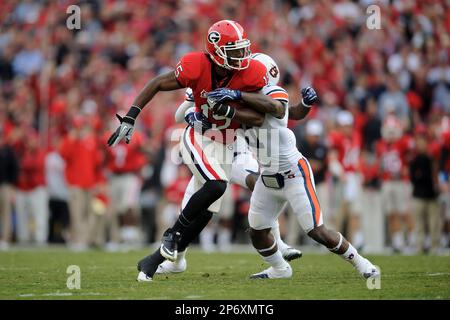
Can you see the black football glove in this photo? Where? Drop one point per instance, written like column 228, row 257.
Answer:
column 221, row 95
column 223, row 109
column 309, row 96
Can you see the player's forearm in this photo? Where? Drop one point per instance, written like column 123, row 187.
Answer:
column 249, row 117
column 164, row 82
column 263, row 103
column 298, row 112
column 147, row 93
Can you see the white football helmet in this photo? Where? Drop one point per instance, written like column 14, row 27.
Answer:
column 273, row 72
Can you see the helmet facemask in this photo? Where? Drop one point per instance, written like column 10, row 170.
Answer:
column 235, row 56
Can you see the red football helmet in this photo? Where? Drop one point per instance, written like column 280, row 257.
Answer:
column 228, row 46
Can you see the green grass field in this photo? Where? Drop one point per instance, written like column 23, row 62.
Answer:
column 41, row 274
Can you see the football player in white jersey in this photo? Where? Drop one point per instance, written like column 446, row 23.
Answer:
column 286, row 176
column 244, row 172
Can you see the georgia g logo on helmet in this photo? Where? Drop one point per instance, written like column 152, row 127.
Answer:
column 213, row 37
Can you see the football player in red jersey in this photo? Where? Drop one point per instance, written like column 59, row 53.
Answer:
column 226, row 63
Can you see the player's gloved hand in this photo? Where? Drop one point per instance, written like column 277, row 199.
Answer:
column 223, row 109
column 224, row 94
column 309, row 96
column 125, row 130
column 198, row 120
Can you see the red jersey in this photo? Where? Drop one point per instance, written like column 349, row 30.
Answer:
column 348, row 148
column 446, row 146
column 393, row 158
column 83, row 159
column 31, row 173
column 127, row 157
column 369, row 169
column 196, row 71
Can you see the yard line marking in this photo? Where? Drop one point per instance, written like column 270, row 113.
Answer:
column 57, row 294
column 438, row 274
column 60, row 294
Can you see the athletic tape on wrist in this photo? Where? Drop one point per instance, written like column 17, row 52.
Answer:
column 133, row 112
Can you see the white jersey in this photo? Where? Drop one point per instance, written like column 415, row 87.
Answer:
column 275, row 147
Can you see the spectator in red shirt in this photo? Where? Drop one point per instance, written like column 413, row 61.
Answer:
column 57, row 192
column 31, row 196
column 80, row 150
column 125, row 162
column 392, row 151
column 372, row 222
column 344, row 160
column 423, row 171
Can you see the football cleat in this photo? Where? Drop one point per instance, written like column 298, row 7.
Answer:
column 169, row 246
column 172, row 267
column 272, row 273
column 290, row 254
column 142, row 277
column 367, row 270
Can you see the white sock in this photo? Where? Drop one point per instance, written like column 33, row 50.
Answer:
column 276, row 234
column 397, row 240
column 224, row 239
column 276, row 260
column 207, row 239
column 352, row 255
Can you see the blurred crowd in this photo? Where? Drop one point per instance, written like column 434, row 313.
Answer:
column 378, row 140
